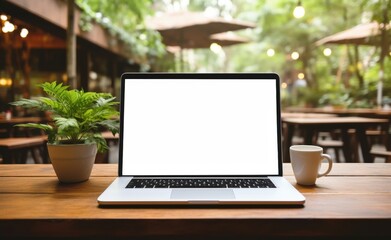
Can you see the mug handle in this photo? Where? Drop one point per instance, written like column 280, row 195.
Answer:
column 326, row 156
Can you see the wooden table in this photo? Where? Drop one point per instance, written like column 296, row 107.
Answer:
column 9, row 124
column 359, row 112
column 309, row 126
column 11, row 147
column 353, row 201
column 306, row 115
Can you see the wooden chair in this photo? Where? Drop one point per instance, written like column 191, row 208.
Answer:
column 379, row 142
column 332, row 140
column 336, row 145
column 381, row 149
column 382, row 154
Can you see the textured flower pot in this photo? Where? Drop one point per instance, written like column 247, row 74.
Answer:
column 72, row 162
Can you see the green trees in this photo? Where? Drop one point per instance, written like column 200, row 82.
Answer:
column 341, row 70
column 347, row 70
column 125, row 19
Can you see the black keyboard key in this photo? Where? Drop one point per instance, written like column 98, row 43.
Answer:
column 201, row 183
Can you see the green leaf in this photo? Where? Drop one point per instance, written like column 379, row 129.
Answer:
column 28, row 103
column 111, row 125
column 48, row 129
column 45, row 127
column 101, row 142
column 68, row 127
column 78, row 116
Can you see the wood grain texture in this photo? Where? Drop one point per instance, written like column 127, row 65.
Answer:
column 354, row 201
column 111, row 170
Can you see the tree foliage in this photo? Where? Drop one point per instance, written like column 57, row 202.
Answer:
column 350, row 69
column 125, row 19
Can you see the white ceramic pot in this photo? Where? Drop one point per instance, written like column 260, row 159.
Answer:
column 72, row 162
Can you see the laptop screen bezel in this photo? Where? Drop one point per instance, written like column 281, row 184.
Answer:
column 128, row 76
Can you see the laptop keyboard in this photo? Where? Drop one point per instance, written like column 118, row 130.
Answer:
column 200, row 183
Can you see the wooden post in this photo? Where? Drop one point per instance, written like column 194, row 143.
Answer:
column 84, row 66
column 26, row 69
column 71, row 45
column 113, row 74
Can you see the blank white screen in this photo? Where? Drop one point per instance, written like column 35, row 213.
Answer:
column 200, row 127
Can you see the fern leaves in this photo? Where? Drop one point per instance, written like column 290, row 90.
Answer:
column 78, row 115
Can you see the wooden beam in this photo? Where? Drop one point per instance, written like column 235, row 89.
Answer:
column 40, row 40
column 53, row 13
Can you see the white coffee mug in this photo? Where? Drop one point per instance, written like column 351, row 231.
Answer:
column 306, row 161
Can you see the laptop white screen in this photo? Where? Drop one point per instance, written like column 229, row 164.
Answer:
column 200, row 127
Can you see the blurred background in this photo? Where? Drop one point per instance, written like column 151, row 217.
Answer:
column 293, row 38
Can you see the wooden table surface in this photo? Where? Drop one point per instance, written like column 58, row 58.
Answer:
column 354, row 200
column 362, row 112
column 306, row 115
column 18, row 120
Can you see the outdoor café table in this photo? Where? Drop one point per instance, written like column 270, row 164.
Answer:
column 11, row 147
column 358, row 112
column 353, row 201
column 306, row 115
column 309, row 127
column 8, row 124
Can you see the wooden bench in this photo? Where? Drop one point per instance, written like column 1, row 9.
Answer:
column 14, row 150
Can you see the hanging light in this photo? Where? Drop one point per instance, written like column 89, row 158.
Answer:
column 299, row 10
column 270, row 52
column 24, row 32
column 295, row 55
column 3, row 17
column 8, row 27
column 5, row 82
column 327, row 52
column 216, row 48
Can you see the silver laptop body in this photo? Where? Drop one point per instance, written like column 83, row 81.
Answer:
column 202, row 138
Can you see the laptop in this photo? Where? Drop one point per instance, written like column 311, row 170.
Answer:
column 200, row 138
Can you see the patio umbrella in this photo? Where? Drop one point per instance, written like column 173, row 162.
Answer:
column 193, row 29
column 362, row 34
column 223, row 39
column 228, row 39
column 374, row 34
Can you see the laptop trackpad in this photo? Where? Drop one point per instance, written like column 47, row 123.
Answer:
column 201, row 194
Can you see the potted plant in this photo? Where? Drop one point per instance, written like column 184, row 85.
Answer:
column 74, row 134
